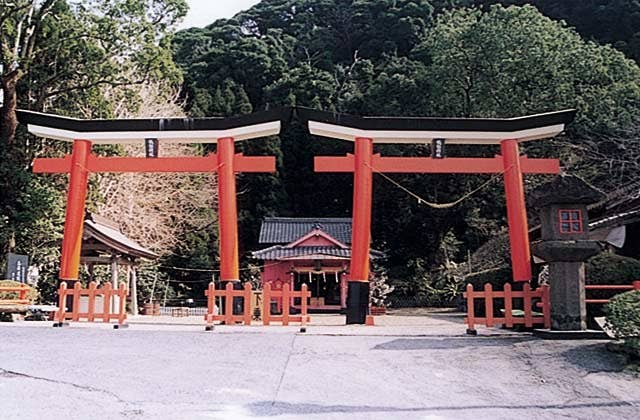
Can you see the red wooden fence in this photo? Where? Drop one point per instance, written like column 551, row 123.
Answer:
column 93, row 313
column 529, row 318
column 228, row 293
column 621, row 288
column 287, row 296
column 22, row 291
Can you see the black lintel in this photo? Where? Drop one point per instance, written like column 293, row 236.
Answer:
column 153, row 124
column 304, row 115
column 436, row 123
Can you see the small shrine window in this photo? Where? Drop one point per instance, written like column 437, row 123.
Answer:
column 571, row 221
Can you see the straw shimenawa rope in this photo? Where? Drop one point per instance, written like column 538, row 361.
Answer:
column 440, row 205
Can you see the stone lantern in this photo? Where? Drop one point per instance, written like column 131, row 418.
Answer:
column 565, row 246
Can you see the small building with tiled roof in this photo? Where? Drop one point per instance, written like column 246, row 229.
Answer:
column 103, row 243
column 315, row 251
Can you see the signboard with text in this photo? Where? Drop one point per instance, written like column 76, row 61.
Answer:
column 17, row 267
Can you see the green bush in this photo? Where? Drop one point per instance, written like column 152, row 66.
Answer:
column 623, row 318
column 609, row 268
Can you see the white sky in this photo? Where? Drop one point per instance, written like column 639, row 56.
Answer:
column 204, row 12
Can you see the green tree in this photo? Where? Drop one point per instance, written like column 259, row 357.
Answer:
column 613, row 22
column 57, row 56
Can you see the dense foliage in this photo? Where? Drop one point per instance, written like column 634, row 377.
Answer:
column 614, row 22
column 623, row 317
column 609, row 268
column 410, row 58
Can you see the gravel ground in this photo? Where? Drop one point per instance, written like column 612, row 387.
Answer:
column 181, row 372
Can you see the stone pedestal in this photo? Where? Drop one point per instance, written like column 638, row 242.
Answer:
column 567, row 299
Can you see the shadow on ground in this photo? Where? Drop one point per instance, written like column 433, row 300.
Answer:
column 267, row 408
column 595, row 358
column 449, row 343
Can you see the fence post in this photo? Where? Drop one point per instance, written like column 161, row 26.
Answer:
column 508, row 305
column 106, row 302
column 211, row 298
column 228, row 304
column 75, row 312
column 62, row 296
column 528, row 316
column 546, row 305
column 470, row 311
column 247, row 303
column 303, row 307
column 488, row 304
column 92, row 301
column 122, row 293
column 266, row 304
column 286, row 300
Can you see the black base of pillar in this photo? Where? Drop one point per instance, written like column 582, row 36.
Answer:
column 120, row 326
column 69, row 300
column 357, row 302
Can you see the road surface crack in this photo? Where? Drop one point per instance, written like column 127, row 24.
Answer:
column 284, row 371
column 11, row 373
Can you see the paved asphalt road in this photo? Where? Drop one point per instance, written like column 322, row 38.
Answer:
column 96, row 373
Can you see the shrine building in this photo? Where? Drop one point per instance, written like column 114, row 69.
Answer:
column 315, row 251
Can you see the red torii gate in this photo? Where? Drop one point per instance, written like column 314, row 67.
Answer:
column 365, row 131
column 152, row 132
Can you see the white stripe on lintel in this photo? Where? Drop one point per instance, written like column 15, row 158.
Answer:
column 187, row 136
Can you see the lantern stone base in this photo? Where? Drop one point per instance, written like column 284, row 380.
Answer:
column 566, row 273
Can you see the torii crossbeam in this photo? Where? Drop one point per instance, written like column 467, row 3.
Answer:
column 365, row 131
column 84, row 133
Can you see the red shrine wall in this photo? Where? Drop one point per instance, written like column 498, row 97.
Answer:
column 278, row 273
column 276, row 270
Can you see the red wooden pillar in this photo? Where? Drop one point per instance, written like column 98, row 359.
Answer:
column 227, row 212
column 516, row 211
column 228, row 227
column 74, row 218
column 358, row 291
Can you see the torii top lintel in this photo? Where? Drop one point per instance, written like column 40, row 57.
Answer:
column 172, row 130
column 421, row 130
column 327, row 124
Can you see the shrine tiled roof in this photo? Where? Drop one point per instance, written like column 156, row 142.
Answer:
column 279, row 252
column 283, row 230
column 106, row 233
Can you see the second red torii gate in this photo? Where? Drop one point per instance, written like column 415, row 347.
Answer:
column 226, row 163
column 365, row 131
